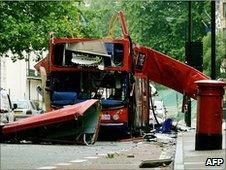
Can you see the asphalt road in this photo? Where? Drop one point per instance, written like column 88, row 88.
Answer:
column 29, row 156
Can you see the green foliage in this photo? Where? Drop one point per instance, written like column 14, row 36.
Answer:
column 25, row 25
column 104, row 11
column 220, row 52
column 162, row 25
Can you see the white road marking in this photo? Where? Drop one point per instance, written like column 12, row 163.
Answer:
column 125, row 150
column 62, row 164
column 78, row 161
column 102, row 154
column 47, row 167
column 91, row 157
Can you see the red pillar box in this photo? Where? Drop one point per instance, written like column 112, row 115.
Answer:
column 209, row 115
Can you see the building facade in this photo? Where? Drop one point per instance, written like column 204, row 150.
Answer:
column 2, row 73
column 20, row 78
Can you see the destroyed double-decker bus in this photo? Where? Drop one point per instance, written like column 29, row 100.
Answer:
column 78, row 69
column 82, row 69
column 116, row 72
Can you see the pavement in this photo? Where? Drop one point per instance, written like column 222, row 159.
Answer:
column 187, row 157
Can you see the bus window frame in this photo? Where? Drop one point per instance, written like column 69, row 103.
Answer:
column 126, row 66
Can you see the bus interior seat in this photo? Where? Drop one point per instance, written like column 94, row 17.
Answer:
column 60, row 99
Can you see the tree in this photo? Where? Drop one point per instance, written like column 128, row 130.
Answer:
column 163, row 25
column 24, row 26
column 220, row 52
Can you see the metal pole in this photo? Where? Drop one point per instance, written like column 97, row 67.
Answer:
column 213, row 40
column 28, row 77
column 187, row 117
column 188, row 123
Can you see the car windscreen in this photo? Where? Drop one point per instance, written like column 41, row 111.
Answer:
column 21, row 104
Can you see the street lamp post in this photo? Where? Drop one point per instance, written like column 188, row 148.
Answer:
column 186, row 99
column 213, row 40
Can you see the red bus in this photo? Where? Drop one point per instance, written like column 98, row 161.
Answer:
column 81, row 69
column 116, row 72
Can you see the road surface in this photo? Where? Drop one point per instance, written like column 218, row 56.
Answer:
column 29, row 156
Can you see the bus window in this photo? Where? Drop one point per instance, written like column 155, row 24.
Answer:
column 90, row 53
column 58, row 54
column 118, row 55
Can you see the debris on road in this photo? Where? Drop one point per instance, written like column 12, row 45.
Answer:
column 110, row 155
column 166, row 126
column 130, row 156
column 165, row 138
column 155, row 163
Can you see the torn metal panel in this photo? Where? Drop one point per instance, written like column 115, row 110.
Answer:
column 43, row 63
column 167, row 71
column 95, row 47
column 78, row 123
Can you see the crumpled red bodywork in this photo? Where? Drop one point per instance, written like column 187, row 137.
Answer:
column 68, row 115
column 169, row 72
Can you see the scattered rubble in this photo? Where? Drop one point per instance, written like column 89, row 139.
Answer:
column 155, row 163
column 112, row 155
column 130, row 156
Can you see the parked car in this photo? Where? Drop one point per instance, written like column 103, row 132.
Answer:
column 25, row 108
column 6, row 110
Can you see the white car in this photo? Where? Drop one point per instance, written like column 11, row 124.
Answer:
column 24, row 108
column 6, row 110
